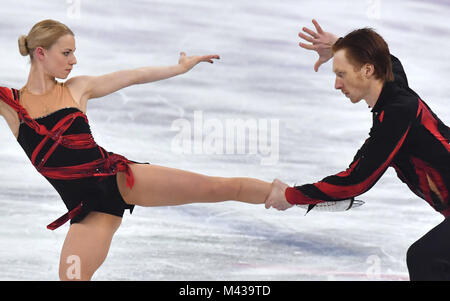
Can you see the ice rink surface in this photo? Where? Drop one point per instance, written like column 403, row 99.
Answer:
column 309, row 130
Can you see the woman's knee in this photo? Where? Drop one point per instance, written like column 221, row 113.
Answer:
column 86, row 246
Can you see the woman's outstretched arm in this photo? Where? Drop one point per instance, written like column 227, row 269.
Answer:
column 89, row 87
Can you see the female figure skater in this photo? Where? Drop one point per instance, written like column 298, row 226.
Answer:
column 49, row 120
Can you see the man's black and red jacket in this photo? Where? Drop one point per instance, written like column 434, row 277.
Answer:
column 405, row 135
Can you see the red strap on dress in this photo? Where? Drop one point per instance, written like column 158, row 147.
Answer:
column 63, row 219
column 97, row 168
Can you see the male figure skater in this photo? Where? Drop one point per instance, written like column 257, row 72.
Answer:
column 405, row 135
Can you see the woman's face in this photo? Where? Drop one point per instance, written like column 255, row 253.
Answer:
column 58, row 61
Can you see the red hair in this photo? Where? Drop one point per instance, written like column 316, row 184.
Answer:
column 366, row 46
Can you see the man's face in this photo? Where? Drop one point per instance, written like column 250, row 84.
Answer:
column 353, row 84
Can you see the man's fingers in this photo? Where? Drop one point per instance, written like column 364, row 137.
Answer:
column 312, row 33
column 317, row 65
column 307, row 46
column 281, row 208
column 317, row 26
column 305, row 37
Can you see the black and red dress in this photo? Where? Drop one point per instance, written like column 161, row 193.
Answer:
column 61, row 147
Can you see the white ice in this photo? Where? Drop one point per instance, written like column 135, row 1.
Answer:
column 262, row 75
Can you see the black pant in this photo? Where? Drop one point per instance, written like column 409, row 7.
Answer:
column 429, row 257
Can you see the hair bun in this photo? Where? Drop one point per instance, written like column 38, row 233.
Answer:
column 23, row 47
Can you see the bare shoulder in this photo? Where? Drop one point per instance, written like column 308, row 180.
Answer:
column 78, row 87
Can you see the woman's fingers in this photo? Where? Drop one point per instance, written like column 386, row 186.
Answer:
column 209, row 58
column 197, row 59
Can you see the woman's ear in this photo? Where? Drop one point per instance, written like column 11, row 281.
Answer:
column 39, row 53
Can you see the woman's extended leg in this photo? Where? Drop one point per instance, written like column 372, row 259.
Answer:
column 162, row 186
column 86, row 246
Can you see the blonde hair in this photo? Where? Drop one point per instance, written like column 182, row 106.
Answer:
column 43, row 34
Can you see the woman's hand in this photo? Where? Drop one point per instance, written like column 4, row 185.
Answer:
column 321, row 43
column 277, row 197
column 188, row 62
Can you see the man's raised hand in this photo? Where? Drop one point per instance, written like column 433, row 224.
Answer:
column 321, row 42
